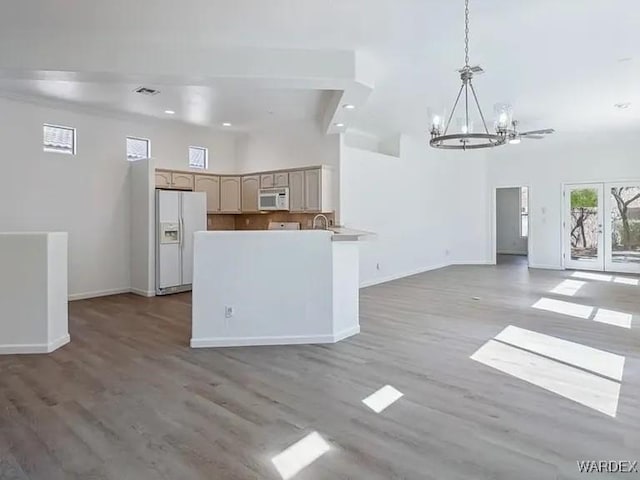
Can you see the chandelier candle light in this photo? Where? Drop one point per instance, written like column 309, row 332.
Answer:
column 467, row 139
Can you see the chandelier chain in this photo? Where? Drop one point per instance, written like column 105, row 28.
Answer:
column 466, row 33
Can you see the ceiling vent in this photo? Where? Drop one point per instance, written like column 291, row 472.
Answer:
column 147, row 91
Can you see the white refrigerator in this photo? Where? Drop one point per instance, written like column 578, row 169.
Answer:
column 178, row 216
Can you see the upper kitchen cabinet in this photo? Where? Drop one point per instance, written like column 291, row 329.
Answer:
column 163, row 179
column 183, row 181
column 281, row 179
column 310, row 190
column 209, row 184
column 230, row 194
column 250, row 188
column 296, row 191
column 313, row 190
column 274, row 180
column 266, row 180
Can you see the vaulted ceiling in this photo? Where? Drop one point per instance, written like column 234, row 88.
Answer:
column 561, row 64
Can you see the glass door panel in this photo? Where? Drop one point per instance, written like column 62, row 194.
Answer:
column 623, row 222
column 584, row 248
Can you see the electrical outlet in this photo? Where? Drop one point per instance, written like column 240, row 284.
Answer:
column 228, row 312
column 447, row 252
column 377, row 266
column 210, row 222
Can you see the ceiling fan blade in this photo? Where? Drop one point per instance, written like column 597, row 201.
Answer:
column 534, row 137
column 544, row 131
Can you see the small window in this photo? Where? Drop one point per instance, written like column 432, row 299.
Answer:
column 198, row 157
column 59, row 139
column 138, row 148
column 524, row 212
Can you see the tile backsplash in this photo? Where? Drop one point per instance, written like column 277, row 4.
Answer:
column 260, row 221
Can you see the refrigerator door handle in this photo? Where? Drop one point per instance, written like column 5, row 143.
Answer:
column 181, row 233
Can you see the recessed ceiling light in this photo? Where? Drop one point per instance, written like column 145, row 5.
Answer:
column 226, row 124
column 348, row 106
column 169, row 112
column 339, row 125
column 623, row 106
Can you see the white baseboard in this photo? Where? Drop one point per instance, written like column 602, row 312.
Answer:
column 56, row 344
column 34, row 348
column 545, row 267
column 474, row 262
column 261, row 341
column 143, row 293
column 348, row 332
column 100, row 293
column 397, row 276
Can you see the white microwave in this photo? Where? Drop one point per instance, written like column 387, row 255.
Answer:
column 273, row 199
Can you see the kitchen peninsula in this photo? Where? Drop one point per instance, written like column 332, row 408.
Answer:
column 275, row 287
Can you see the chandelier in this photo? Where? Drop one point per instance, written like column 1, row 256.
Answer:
column 466, row 139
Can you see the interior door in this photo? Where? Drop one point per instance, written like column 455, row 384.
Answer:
column 584, row 247
column 194, row 219
column 168, row 271
column 622, row 227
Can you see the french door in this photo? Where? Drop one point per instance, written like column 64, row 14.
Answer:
column 602, row 226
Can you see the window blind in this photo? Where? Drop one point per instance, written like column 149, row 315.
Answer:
column 198, row 157
column 137, row 148
column 59, row 139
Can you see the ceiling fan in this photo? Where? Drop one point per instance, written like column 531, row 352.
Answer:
column 514, row 136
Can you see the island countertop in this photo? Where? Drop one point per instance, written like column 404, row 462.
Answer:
column 344, row 234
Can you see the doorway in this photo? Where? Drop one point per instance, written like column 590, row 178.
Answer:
column 512, row 225
column 602, row 226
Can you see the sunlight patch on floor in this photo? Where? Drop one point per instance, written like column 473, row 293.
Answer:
column 568, row 369
column 300, row 455
column 600, row 315
column 598, row 361
column 382, row 398
column 612, row 317
column 606, row 278
column 565, row 308
column 592, row 276
column 568, row 287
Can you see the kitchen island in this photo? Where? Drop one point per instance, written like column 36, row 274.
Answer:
column 275, row 287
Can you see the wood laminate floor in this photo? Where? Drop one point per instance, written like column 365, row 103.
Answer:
column 127, row 399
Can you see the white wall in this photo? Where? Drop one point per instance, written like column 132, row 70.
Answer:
column 508, row 236
column 544, row 166
column 280, row 285
column 87, row 195
column 143, row 221
column 287, row 145
column 33, row 292
column 426, row 207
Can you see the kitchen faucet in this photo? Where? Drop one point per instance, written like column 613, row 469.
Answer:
column 326, row 221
